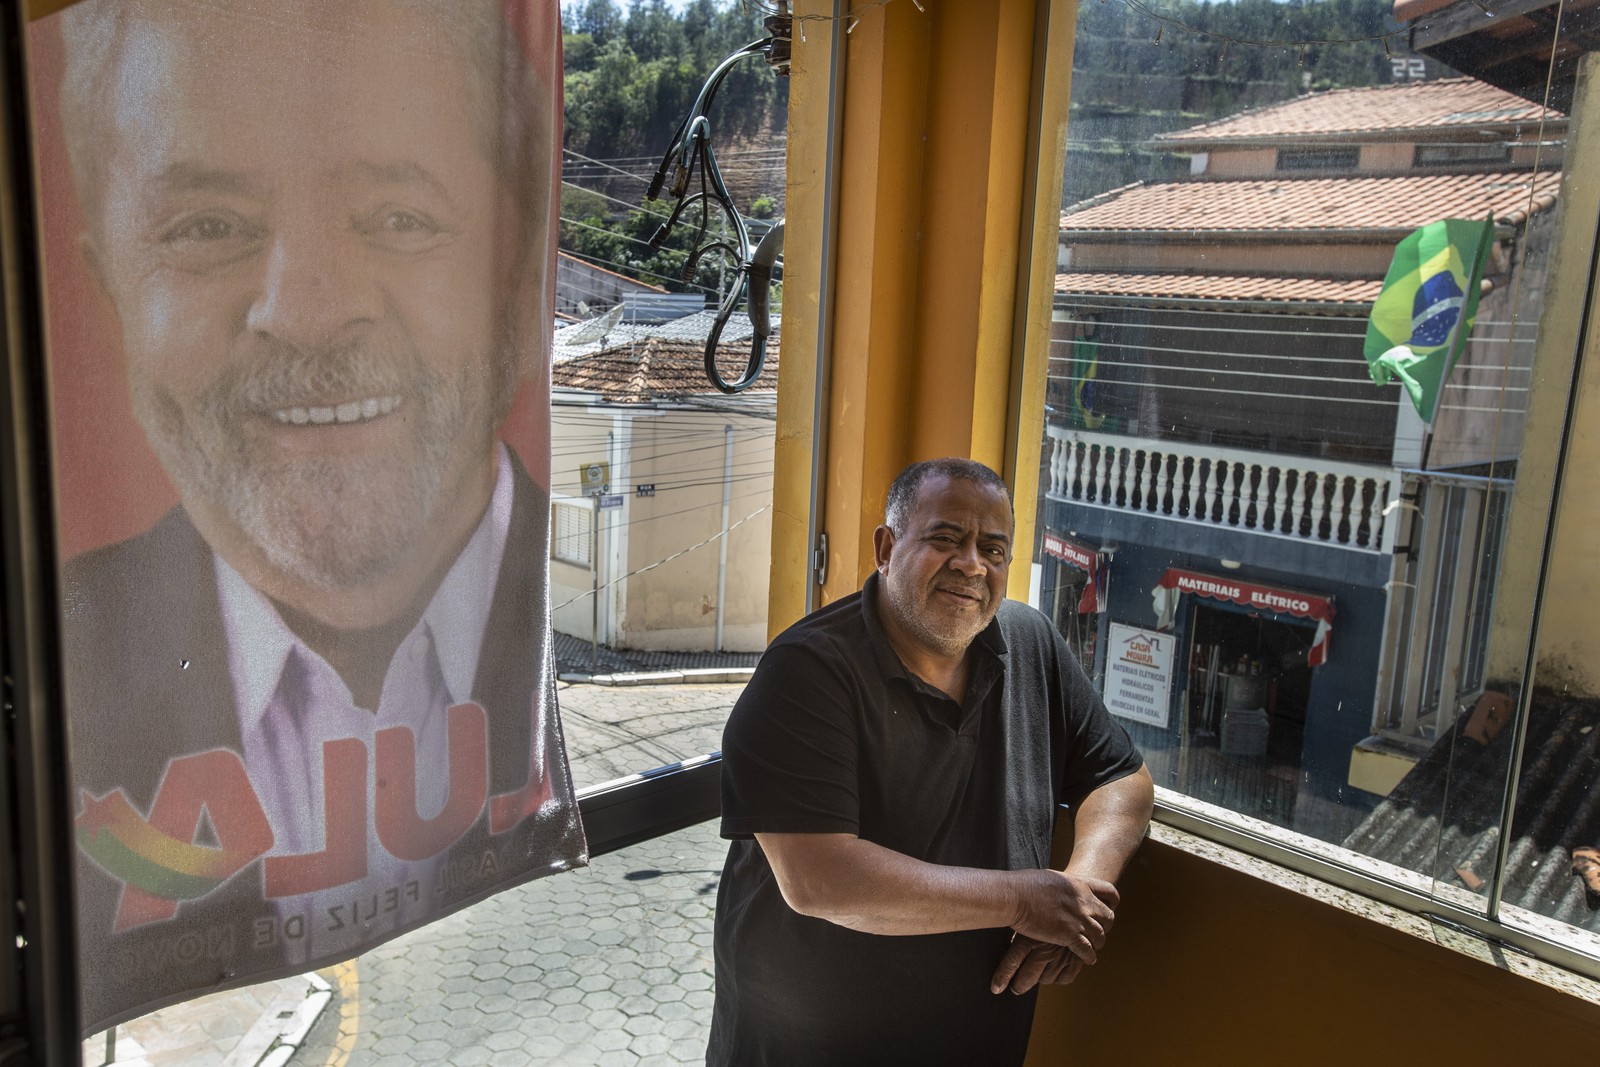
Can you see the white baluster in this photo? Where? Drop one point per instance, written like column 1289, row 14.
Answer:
column 1193, row 488
column 1213, row 488
column 1121, row 457
column 1380, row 500
column 1145, row 477
column 1230, row 485
column 1319, row 506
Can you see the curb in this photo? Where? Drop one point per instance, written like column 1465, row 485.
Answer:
column 284, row 1031
column 688, row 676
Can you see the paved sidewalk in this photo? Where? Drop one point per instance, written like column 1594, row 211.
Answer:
column 612, row 731
column 609, row 965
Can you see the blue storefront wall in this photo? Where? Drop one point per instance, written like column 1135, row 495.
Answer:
column 1340, row 704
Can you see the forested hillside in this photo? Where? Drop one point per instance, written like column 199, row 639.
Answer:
column 1135, row 75
column 1140, row 67
column 631, row 75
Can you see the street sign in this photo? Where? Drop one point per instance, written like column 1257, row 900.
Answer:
column 595, row 478
column 610, row 501
column 645, row 489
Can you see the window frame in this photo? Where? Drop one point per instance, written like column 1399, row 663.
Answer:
column 1489, row 919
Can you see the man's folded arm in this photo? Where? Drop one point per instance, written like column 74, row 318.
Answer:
column 1107, row 827
column 872, row 889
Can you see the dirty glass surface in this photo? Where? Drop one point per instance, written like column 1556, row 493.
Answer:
column 649, row 484
column 1297, row 466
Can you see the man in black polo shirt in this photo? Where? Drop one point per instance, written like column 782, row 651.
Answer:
column 891, row 779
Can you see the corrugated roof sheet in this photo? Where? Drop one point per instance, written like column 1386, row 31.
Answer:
column 1450, row 103
column 657, row 368
column 1221, row 287
column 1289, row 204
column 1443, row 817
column 696, row 328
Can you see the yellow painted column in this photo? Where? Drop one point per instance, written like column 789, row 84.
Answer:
column 1568, row 628
column 945, row 263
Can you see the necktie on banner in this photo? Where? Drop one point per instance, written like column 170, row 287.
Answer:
column 1422, row 318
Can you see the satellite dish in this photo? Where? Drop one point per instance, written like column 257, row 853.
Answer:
column 594, row 330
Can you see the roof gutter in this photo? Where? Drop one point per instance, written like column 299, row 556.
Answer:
column 1347, row 309
column 1385, row 235
column 1344, row 137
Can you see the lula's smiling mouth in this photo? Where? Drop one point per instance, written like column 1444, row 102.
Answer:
column 348, row 412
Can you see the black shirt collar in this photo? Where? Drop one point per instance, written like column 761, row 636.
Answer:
column 990, row 642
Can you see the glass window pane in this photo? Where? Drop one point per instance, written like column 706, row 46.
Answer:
column 1303, row 581
column 313, row 390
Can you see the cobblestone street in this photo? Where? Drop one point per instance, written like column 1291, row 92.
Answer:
column 607, row 966
column 617, row 730
column 610, row 965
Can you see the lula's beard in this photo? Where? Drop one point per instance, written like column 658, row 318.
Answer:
column 332, row 522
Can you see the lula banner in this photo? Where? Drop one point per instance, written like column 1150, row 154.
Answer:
column 299, row 257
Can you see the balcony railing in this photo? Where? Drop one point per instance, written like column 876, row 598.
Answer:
column 1314, row 500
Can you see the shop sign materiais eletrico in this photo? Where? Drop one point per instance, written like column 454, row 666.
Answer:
column 1139, row 674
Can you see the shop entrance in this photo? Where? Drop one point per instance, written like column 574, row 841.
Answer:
column 1081, row 630
column 1245, row 709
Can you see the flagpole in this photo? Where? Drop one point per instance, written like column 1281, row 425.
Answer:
column 1473, row 278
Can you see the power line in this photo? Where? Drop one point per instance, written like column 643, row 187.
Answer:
column 652, row 566
column 601, row 260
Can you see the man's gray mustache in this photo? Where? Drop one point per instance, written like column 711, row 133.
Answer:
column 285, row 377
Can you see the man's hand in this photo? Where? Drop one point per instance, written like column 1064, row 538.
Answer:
column 1072, row 911
column 1028, row 963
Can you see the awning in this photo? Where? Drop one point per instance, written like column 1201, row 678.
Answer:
column 1318, row 609
column 1086, row 559
column 1066, row 549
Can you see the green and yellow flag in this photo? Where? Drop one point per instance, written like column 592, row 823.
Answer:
column 1424, row 314
column 1085, row 412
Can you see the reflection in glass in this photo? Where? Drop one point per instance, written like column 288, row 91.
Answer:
column 1289, row 580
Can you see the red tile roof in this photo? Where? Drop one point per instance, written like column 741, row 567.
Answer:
column 1221, row 287
column 1450, row 103
column 579, row 263
column 1287, row 205
column 659, row 369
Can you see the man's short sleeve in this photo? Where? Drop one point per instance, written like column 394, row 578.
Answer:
column 789, row 749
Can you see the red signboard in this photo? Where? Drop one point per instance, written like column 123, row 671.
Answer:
column 1069, row 551
column 1261, row 597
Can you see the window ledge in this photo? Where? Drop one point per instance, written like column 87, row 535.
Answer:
column 1445, row 934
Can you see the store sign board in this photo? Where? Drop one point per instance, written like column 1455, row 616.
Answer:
column 1250, row 595
column 1139, row 674
column 1069, row 551
column 1318, row 609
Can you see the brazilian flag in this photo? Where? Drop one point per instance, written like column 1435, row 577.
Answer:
column 1422, row 317
column 1085, row 369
